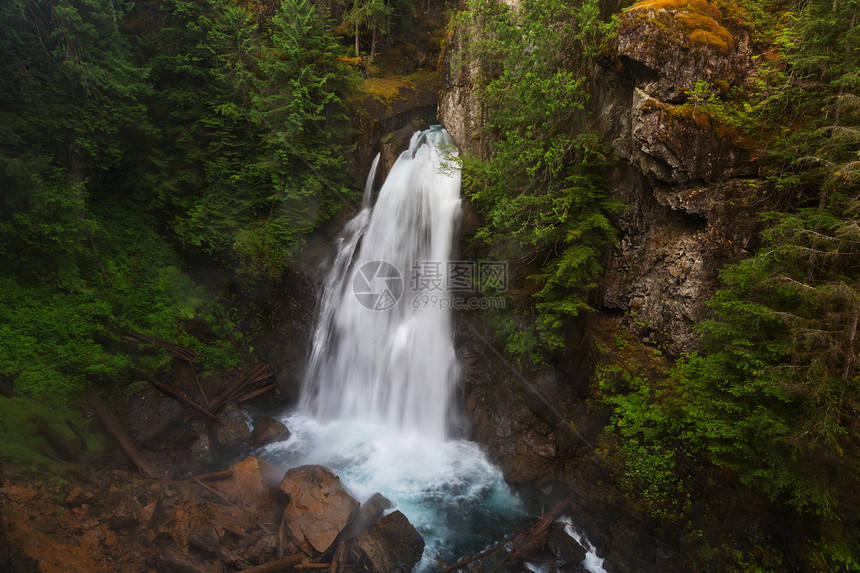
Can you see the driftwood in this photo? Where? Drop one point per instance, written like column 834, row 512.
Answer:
column 524, row 544
column 254, row 393
column 111, row 424
column 199, row 385
column 288, row 562
column 214, row 476
column 340, row 556
column 183, row 400
column 534, row 538
column 217, row 493
column 172, row 348
column 212, row 548
column 230, row 393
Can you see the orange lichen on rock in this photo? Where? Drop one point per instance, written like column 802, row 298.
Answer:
column 700, row 17
column 699, row 6
column 705, row 30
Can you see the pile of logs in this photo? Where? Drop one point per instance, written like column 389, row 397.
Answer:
column 245, row 386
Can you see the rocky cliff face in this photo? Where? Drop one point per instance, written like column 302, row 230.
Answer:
column 685, row 179
column 459, row 110
column 687, row 182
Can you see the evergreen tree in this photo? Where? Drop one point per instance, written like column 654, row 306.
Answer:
column 203, row 61
column 775, row 394
column 541, row 190
column 71, row 102
column 297, row 106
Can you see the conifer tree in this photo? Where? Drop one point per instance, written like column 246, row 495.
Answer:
column 775, row 394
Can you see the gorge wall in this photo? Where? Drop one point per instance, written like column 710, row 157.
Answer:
column 688, row 185
column 685, row 180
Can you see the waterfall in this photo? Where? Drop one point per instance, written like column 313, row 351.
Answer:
column 377, row 395
column 378, row 354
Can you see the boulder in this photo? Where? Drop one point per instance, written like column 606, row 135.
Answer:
column 150, row 412
column 566, row 549
column 370, row 511
column 267, row 431
column 234, row 432
column 319, row 507
column 254, row 484
column 672, row 44
column 390, row 545
column 200, row 450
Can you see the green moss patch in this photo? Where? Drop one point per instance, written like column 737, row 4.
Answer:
column 389, row 89
column 21, row 444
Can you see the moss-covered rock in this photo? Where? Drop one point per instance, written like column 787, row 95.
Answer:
column 380, row 105
column 675, row 43
column 677, row 145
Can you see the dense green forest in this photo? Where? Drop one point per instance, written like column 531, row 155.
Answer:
column 137, row 137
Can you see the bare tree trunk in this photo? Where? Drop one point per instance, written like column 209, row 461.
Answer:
column 357, row 53
column 849, row 350
column 111, row 424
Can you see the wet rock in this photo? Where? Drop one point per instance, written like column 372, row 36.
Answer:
column 200, row 448
column 565, row 548
column 390, row 545
column 393, row 144
column 318, row 508
column 254, row 484
column 375, row 115
column 262, row 550
column 370, row 511
column 234, row 432
column 150, row 412
column 269, row 430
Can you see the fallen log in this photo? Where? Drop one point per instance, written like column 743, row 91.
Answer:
column 534, row 538
column 212, row 548
column 199, row 385
column 113, row 427
column 172, row 348
column 214, row 476
column 256, row 374
column 182, row 399
column 67, row 450
column 524, row 544
column 254, row 393
column 288, row 562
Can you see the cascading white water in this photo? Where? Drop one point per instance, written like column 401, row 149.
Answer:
column 376, row 400
column 378, row 354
